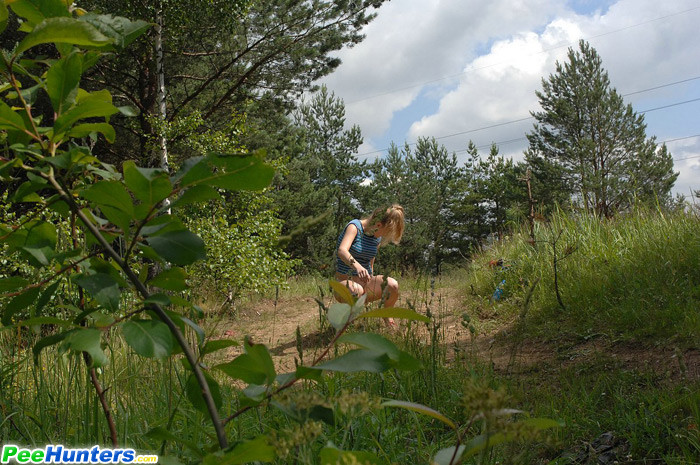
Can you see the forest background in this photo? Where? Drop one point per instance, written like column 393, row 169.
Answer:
column 252, row 88
column 241, row 78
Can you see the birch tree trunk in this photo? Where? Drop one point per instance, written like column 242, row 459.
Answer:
column 161, row 92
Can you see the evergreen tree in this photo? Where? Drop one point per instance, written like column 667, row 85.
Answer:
column 599, row 142
column 221, row 55
column 424, row 181
column 496, row 187
column 322, row 179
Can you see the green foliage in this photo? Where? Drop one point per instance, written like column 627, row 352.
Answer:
column 103, row 204
column 262, row 58
column 241, row 230
column 242, row 253
column 120, row 228
column 628, row 278
column 598, row 142
column 424, row 180
column 321, row 182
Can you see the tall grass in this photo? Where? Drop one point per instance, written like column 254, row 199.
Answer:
column 632, row 278
column 635, row 277
column 54, row 401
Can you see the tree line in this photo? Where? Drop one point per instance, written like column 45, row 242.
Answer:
column 229, row 77
column 588, row 151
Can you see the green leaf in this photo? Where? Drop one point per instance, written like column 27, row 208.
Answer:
column 393, row 312
column 46, row 297
column 129, row 111
column 84, row 130
column 231, row 172
column 109, row 193
column 400, row 360
column 75, row 156
column 149, row 185
column 342, row 291
column 12, row 284
column 219, row 344
column 3, row 17
column 358, row 360
column 253, row 367
column 192, row 171
column 26, row 192
column 338, row 315
column 195, row 327
column 160, row 299
column 49, row 341
column 240, row 173
column 88, row 105
column 102, row 287
column 196, row 194
column 161, row 434
column 172, row 279
column 10, row 119
column 256, row 450
column 41, row 240
column 161, row 224
column 44, row 320
column 148, row 338
column 195, row 394
column 36, row 10
column 63, row 30
column 261, row 356
column 179, row 247
column 88, row 340
column 333, row 456
column 121, row 30
column 252, row 396
column 113, row 200
column 62, row 81
column 422, row 409
column 19, row 303
column 309, row 373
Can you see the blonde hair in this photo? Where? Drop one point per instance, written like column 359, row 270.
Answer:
column 391, row 217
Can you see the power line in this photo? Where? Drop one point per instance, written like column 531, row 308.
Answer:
column 525, row 138
column 413, row 86
column 519, row 139
column 519, row 120
column 662, row 86
column 669, row 106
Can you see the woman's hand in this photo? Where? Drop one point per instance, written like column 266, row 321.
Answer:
column 362, row 272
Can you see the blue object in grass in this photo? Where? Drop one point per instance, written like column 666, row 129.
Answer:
column 498, row 293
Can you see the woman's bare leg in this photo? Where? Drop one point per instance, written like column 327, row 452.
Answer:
column 355, row 288
column 379, row 286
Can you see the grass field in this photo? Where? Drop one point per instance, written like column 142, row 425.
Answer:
column 617, row 365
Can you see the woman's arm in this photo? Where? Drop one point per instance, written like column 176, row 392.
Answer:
column 371, row 265
column 345, row 255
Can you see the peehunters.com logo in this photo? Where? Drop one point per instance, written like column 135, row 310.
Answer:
column 59, row 454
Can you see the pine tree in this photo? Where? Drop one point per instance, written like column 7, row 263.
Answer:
column 599, row 142
column 322, row 179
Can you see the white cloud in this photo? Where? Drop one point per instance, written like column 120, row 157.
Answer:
column 687, row 154
column 493, row 55
column 412, row 42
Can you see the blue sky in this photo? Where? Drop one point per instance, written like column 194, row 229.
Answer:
column 448, row 68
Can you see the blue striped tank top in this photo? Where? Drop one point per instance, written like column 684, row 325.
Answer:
column 363, row 249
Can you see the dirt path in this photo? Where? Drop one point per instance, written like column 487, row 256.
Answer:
column 275, row 325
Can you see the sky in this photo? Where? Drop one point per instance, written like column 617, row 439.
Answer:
column 461, row 70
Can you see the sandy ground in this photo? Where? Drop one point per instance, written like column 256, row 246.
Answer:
column 275, row 323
